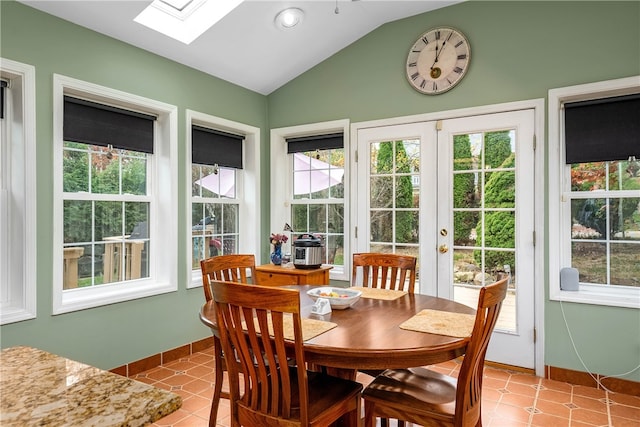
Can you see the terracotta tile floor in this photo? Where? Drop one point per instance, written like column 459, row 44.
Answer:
column 510, row 399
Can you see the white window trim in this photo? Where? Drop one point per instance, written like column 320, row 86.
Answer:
column 559, row 255
column 249, row 191
column 163, row 186
column 19, row 255
column 281, row 178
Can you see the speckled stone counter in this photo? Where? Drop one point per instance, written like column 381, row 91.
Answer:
column 41, row 389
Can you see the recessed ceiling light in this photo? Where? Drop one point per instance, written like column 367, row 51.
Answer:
column 184, row 20
column 289, row 18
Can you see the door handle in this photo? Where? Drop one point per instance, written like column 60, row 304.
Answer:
column 443, row 249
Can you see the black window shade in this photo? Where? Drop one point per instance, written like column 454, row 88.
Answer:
column 315, row 142
column 210, row 147
column 98, row 124
column 3, row 87
column 603, row 129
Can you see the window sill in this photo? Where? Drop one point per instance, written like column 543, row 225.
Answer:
column 588, row 294
column 82, row 298
column 338, row 273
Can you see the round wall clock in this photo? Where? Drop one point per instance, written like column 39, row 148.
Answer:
column 438, row 60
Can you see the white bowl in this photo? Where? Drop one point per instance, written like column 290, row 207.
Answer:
column 339, row 298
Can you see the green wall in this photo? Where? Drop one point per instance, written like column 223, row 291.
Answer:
column 519, row 51
column 116, row 334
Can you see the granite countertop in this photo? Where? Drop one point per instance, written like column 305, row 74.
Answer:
column 39, row 388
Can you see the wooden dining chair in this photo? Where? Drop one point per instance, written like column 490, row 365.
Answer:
column 232, row 268
column 385, row 271
column 274, row 393
column 427, row 398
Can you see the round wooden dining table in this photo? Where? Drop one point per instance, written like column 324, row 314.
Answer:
column 368, row 335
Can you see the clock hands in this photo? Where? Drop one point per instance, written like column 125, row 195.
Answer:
column 436, row 71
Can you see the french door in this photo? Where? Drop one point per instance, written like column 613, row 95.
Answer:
column 459, row 195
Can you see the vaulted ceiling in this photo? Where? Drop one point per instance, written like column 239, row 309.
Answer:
column 245, row 47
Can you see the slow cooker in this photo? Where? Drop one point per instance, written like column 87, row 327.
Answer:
column 307, row 251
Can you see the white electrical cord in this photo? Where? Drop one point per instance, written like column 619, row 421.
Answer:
column 575, row 349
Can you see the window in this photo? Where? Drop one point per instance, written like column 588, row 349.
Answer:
column 17, row 192
column 223, row 184
column 114, row 180
column 595, row 129
column 309, row 162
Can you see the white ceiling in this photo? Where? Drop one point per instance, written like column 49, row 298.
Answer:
column 245, row 47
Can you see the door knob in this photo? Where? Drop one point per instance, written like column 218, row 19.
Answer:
column 443, row 249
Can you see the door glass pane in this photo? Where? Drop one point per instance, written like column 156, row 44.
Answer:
column 484, row 200
column 394, row 196
column 381, row 226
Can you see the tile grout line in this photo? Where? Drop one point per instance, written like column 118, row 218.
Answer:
column 608, row 403
column 535, row 403
column 571, row 409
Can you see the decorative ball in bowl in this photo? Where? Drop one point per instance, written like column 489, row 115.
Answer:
column 339, row 298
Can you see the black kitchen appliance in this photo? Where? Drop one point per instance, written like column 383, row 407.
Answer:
column 307, row 251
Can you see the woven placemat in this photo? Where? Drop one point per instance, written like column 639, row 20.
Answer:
column 311, row 328
column 457, row 325
column 377, row 293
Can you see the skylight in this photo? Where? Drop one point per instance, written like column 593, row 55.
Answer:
column 177, row 4
column 184, row 20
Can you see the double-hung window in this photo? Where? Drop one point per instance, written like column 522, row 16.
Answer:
column 17, row 192
column 116, row 220
column 217, row 166
column 308, row 187
column 598, row 197
column 223, row 186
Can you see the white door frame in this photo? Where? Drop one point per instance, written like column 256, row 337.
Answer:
column 539, row 199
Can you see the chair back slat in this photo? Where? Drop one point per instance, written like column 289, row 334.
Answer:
column 385, row 271
column 247, row 316
column 468, row 390
column 227, row 268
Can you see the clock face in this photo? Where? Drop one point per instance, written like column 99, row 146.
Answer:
column 438, row 60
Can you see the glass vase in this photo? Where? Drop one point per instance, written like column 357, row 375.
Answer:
column 276, row 255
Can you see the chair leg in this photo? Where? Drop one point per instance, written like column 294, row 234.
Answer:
column 351, row 419
column 218, row 379
column 369, row 419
